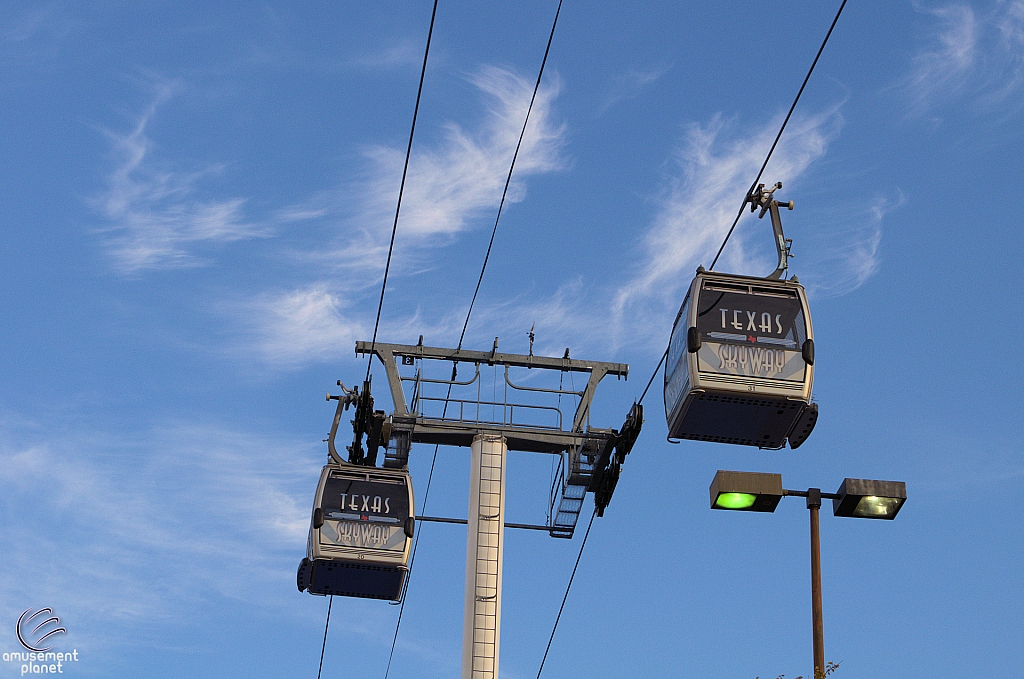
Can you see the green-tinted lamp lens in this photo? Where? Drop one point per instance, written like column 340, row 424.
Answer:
column 735, row 500
column 876, row 507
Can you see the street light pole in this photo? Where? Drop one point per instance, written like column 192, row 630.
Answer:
column 813, row 505
column 860, row 498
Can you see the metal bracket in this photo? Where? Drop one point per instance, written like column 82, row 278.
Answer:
column 368, row 421
column 763, row 198
column 607, row 466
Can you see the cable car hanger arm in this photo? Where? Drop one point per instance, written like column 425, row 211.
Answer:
column 763, row 198
column 345, row 399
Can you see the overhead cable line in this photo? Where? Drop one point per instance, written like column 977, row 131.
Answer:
column 472, row 303
column 324, row 646
column 653, row 375
column 567, row 588
column 715, row 261
column 511, row 167
column 387, row 266
column 760, row 172
column 401, row 189
column 412, row 560
column 779, row 135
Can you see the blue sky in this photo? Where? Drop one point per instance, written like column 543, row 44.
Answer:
column 196, row 210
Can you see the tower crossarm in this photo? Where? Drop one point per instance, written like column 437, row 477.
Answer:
column 526, row 439
column 564, row 364
column 586, row 462
column 389, row 354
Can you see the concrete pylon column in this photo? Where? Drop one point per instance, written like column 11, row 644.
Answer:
column 485, row 541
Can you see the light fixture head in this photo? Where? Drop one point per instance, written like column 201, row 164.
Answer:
column 867, row 499
column 746, row 491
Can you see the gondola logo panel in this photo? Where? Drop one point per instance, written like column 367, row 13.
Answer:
column 363, row 534
column 752, row 318
column 751, row 361
column 751, row 335
column 361, row 513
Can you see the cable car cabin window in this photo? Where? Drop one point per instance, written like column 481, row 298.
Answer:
column 361, row 513
column 751, row 332
column 678, row 381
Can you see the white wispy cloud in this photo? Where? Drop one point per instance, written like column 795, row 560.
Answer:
column 712, row 170
column 708, row 173
column 630, row 83
column 460, row 179
column 321, row 323
column 843, row 250
column 308, row 324
column 29, row 24
column 33, row 39
column 449, row 185
column 944, row 63
column 972, row 54
column 400, row 54
column 1010, row 27
column 149, row 523
column 155, row 216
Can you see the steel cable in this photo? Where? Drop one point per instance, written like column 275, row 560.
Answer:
column 779, row 135
column 567, row 588
column 387, row 268
column 653, row 375
column 508, row 179
column 472, row 302
column 324, row 646
column 761, row 171
column 715, row 261
column 412, row 560
column 401, row 189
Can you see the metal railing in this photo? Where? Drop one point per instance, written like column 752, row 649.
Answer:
column 507, row 416
column 512, row 414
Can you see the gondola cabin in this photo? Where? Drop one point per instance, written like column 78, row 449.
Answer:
column 361, row 533
column 740, row 363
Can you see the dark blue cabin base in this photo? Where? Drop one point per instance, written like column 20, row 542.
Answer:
column 740, row 420
column 362, row 579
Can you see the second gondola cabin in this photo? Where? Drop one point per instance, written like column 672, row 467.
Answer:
column 740, row 363
column 361, row 533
